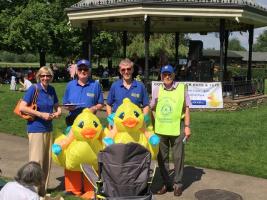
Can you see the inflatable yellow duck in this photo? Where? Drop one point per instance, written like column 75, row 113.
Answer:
column 130, row 127
column 81, row 145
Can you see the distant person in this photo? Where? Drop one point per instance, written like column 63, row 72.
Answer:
column 26, row 84
column 72, row 70
column 105, row 73
column 13, row 84
column 31, row 75
column 29, row 179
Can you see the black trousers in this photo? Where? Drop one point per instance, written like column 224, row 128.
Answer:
column 176, row 144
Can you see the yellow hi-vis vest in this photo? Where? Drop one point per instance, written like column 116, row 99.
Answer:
column 169, row 110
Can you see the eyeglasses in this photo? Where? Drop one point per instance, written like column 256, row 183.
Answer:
column 45, row 75
column 126, row 69
column 166, row 74
column 83, row 69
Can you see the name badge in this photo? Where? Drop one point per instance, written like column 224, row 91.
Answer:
column 136, row 95
column 90, row 94
column 51, row 97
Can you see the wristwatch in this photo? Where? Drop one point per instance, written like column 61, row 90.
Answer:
column 187, row 125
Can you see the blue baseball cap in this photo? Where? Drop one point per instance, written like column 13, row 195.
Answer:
column 83, row 62
column 167, row 68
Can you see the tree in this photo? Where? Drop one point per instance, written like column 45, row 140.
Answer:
column 261, row 42
column 235, row 45
column 105, row 44
column 39, row 26
column 158, row 43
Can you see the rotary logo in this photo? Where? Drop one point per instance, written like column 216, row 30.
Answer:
column 166, row 109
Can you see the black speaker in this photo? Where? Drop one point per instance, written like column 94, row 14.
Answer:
column 195, row 50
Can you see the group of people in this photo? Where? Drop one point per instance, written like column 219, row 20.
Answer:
column 170, row 103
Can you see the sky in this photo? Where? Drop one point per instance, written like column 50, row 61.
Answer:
column 210, row 41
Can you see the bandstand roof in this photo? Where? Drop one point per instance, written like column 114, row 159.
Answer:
column 188, row 16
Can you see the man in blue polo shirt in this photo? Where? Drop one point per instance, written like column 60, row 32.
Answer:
column 127, row 87
column 82, row 93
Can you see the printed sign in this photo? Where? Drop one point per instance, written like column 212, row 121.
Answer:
column 201, row 94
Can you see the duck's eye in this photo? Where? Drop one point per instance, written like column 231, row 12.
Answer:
column 81, row 124
column 136, row 113
column 95, row 124
column 121, row 116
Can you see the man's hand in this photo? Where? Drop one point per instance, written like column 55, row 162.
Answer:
column 187, row 131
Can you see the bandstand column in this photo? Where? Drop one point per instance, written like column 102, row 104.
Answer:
column 147, row 37
column 124, row 43
column 87, row 43
column 225, row 54
column 250, row 43
column 177, row 41
column 222, row 40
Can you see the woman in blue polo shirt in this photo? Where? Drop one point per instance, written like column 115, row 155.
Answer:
column 39, row 130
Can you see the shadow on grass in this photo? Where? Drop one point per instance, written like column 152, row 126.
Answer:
column 191, row 175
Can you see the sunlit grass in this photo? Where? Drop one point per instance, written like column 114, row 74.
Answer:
column 230, row 141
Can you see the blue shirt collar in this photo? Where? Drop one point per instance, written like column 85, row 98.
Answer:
column 87, row 83
column 134, row 83
column 39, row 87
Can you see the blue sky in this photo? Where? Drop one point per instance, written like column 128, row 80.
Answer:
column 210, row 41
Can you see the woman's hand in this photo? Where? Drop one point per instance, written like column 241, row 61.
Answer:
column 46, row 116
column 56, row 115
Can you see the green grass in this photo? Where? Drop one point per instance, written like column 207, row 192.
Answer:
column 9, row 122
column 18, row 65
column 24, row 65
column 229, row 141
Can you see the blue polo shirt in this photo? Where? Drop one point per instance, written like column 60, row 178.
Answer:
column 88, row 95
column 45, row 103
column 137, row 93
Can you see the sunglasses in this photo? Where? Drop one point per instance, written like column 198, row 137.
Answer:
column 166, row 74
column 83, row 69
column 126, row 69
column 45, row 75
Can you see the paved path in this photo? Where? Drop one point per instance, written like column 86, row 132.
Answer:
column 14, row 153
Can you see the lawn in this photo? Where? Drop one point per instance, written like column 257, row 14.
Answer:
column 9, row 123
column 229, row 141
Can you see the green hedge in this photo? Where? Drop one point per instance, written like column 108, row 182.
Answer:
column 6, row 56
column 256, row 72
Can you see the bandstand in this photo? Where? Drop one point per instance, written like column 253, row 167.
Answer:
column 169, row 16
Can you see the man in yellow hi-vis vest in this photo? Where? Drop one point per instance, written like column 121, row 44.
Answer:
column 172, row 124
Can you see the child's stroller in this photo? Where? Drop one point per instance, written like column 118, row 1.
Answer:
column 124, row 173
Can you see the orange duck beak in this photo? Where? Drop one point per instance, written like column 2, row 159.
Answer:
column 130, row 122
column 89, row 133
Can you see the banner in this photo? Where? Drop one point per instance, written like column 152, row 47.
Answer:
column 201, row 94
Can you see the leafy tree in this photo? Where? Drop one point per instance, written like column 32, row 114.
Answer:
column 158, row 43
column 105, row 44
column 40, row 26
column 261, row 43
column 235, row 45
